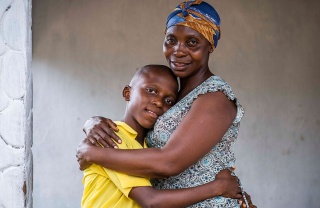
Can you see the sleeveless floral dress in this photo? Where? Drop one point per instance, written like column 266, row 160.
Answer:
column 220, row 157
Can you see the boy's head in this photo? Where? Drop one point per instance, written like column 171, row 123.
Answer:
column 152, row 92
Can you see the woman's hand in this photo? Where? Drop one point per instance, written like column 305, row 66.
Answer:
column 100, row 132
column 83, row 152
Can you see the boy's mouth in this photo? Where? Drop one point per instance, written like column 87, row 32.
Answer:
column 153, row 114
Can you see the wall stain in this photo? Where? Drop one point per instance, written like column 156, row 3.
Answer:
column 9, row 7
column 286, row 152
column 24, row 188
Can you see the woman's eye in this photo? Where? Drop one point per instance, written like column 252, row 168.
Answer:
column 170, row 40
column 192, row 43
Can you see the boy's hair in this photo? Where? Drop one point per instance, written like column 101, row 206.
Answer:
column 148, row 69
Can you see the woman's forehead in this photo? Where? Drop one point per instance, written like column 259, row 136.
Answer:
column 182, row 30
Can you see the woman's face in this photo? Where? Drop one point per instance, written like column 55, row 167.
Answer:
column 186, row 51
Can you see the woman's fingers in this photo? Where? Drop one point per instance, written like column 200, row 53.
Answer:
column 81, row 149
column 112, row 125
column 110, row 129
column 105, row 136
column 99, row 137
column 93, row 140
column 100, row 132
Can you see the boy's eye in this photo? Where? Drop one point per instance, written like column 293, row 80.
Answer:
column 150, row 90
column 169, row 101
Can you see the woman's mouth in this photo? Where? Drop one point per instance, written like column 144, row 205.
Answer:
column 179, row 65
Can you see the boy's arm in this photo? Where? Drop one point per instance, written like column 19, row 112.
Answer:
column 150, row 197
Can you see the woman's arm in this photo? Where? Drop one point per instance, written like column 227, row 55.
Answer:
column 202, row 128
column 150, row 197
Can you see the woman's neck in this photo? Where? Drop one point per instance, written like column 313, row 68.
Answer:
column 189, row 83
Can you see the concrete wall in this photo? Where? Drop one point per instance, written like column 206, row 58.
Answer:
column 84, row 52
column 15, row 104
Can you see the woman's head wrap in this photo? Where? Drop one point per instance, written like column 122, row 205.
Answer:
column 199, row 16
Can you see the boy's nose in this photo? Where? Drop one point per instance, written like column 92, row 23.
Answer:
column 157, row 102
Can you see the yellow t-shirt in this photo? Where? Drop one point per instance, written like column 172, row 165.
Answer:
column 107, row 188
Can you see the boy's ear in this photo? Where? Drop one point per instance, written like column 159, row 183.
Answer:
column 126, row 92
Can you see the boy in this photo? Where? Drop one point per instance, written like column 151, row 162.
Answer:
column 152, row 91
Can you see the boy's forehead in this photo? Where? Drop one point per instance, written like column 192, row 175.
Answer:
column 159, row 78
column 149, row 77
column 152, row 74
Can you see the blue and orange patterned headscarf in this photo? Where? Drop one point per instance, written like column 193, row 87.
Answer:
column 199, row 16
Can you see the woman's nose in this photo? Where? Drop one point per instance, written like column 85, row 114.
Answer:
column 179, row 50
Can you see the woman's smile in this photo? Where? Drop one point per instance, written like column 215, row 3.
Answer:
column 177, row 65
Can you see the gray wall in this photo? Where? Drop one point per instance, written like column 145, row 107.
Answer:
column 84, row 52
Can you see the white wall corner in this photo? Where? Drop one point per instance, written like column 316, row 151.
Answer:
column 15, row 104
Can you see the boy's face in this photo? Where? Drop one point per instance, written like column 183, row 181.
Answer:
column 152, row 94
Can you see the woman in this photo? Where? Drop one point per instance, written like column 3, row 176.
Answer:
column 193, row 141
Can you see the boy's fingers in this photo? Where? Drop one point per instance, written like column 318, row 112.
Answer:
column 240, row 202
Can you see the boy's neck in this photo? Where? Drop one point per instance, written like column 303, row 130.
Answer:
column 141, row 132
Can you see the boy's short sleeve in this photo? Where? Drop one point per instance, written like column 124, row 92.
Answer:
column 126, row 182
column 123, row 181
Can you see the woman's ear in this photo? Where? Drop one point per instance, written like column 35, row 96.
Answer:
column 210, row 49
column 126, row 93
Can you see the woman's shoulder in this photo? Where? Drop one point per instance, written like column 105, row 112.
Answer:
column 221, row 91
column 215, row 84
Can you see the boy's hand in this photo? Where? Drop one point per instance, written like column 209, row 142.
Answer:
column 230, row 188
column 100, row 131
column 243, row 205
column 229, row 184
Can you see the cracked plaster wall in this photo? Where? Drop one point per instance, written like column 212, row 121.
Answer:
column 15, row 104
